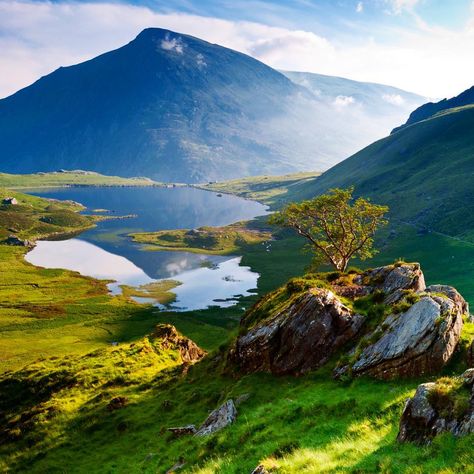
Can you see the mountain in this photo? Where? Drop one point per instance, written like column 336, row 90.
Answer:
column 432, row 108
column 423, row 171
column 370, row 106
column 175, row 108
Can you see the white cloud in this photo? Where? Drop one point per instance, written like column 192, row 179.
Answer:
column 394, row 99
column 343, row 101
column 398, row 6
column 38, row 37
column 172, row 44
column 360, row 7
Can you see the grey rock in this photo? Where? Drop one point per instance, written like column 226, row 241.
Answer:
column 9, row 201
column 407, row 276
column 468, row 377
column 420, row 422
column 223, row 416
column 416, row 342
column 452, row 294
column 300, row 338
column 14, row 240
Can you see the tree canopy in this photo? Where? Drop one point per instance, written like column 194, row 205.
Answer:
column 336, row 226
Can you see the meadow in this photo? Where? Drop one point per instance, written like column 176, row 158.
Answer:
column 69, row 348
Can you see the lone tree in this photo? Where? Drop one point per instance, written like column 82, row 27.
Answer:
column 337, row 226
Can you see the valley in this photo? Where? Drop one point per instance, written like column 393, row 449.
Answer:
column 220, row 255
column 82, row 317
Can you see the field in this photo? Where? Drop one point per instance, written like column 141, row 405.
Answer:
column 69, row 178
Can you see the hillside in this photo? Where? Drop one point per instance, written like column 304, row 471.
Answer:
column 175, row 108
column 423, row 172
column 68, row 178
column 432, row 108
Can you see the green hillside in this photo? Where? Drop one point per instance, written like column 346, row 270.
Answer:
column 69, row 178
column 423, row 172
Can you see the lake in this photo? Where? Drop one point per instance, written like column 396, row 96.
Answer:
column 106, row 251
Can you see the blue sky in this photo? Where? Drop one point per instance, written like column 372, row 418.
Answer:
column 420, row 45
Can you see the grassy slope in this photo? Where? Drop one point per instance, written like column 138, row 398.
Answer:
column 289, row 423
column 69, row 178
column 53, row 311
column 208, row 240
column 271, row 190
column 423, row 172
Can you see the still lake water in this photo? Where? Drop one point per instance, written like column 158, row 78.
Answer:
column 107, row 252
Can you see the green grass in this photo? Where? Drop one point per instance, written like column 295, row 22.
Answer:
column 307, row 424
column 69, row 178
column 422, row 172
column 51, row 319
column 271, row 190
column 208, row 240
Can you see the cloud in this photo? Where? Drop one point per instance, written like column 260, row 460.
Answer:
column 172, row 44
column 38, row 37
column 343, row 101
column 394, row 99
column 398, row 6
column 360, row 7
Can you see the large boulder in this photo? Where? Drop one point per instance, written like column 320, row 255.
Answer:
column 299, row 327
column 443, row 406
column 418, row 341
column 300, row 338
column 402, row 276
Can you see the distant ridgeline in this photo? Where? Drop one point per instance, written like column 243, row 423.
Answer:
column 423, row 170
column 175, row 108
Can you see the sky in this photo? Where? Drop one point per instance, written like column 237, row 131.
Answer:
column 423, row 46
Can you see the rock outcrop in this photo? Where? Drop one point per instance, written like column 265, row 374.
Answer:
column 299, row 327
column 418, row 341
column 300, row 338
column 404, row 276
column 190, row 352
column 443, row 406
column 221, row 417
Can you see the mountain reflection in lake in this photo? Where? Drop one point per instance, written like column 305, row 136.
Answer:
column 106, row 252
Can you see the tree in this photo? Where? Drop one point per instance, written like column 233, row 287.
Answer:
column 337, row 226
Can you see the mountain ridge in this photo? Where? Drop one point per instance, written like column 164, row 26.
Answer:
column 175, row 108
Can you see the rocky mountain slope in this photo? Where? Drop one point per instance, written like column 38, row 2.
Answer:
column 175, row 108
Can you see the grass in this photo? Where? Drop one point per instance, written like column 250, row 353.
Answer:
column 57, row 329
column 160, row 291
column 208, row 240
column 289, row 424
column 69, row 178
column 422, row 172
column 450, row 397
column 271, row 190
